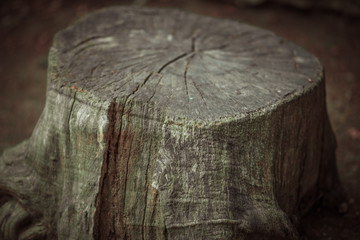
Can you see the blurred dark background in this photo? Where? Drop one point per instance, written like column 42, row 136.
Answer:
column 330, row 29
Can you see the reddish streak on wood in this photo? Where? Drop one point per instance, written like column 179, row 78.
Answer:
column 110, row 219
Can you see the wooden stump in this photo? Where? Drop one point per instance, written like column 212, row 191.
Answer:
column 161, row 124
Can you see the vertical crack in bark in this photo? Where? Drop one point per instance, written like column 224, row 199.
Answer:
column 146, row 192
column 104, row 173
column 186, row 85
column 70, row 113
column 116, row 173
column 107, row 207
column 103, row 226
column 68, row 141
column 126, row 175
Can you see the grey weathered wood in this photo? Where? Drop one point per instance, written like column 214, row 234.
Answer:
column 161, row 124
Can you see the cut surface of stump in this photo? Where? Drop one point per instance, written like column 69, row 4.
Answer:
column 161, row 124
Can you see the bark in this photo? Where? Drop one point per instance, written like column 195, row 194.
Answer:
column 161, row 124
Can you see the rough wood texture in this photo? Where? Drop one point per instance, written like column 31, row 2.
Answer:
column 161, row 124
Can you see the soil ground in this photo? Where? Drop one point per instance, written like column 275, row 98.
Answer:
column 27, row 29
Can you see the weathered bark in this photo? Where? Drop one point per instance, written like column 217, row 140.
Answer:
column 161, row 124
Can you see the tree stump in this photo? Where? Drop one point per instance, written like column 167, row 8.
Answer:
column 161, row 124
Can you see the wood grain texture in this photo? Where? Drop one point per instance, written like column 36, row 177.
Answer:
column 189, row 66
column 161, row 124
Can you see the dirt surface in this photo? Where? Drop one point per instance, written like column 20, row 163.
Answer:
column 27, row 29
